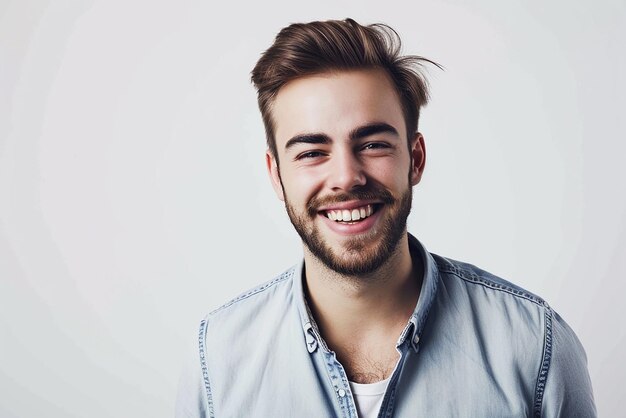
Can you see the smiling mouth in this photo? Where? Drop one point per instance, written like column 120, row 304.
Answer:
column 350, row 216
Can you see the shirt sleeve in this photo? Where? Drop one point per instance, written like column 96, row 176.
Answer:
column 191, row 400
column 568, row 390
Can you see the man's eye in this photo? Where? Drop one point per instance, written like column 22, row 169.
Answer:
column 375, row 145
column 308, row 155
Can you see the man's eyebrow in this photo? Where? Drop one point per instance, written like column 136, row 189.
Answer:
column 355, row 134
column 372, row 129
column 307, row 139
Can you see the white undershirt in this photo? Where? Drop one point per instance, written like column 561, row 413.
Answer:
column 369, row 397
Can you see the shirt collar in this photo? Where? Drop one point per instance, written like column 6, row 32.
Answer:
column 311, row 332
column 413, row 330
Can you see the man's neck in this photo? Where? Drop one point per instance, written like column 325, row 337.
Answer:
column 368, row 310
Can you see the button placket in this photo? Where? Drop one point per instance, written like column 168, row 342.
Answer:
column 340, row 385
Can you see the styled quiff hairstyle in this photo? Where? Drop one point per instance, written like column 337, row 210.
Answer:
column 303, row 49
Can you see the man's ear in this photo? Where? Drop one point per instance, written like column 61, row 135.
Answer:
column 272, row 170
column 418, row 154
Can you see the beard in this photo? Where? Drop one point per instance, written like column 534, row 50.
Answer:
column 360, row 255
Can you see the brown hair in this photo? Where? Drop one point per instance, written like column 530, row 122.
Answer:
column 304, row 49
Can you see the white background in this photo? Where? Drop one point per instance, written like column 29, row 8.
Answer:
column 134, row 198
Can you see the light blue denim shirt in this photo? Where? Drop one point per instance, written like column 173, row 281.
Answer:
column 475, row 346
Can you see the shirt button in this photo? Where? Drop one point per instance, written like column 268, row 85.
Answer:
column 341, row 393
column 416, row 339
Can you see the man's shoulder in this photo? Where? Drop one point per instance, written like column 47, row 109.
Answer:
column 516, row 327
column 470, row 276
column 472, row 298
column 256, row 315
column 269, row 296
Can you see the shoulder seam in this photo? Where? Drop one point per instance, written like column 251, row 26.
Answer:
column 205, row 370
column 282, row 277
column 475, row 279
column 545, row 363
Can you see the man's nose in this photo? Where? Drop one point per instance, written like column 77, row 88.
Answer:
column 346, row 172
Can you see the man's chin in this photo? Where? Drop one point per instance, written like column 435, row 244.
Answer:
column 352, row 254
column 351, row 259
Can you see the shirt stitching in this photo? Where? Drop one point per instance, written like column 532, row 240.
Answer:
column 205, row 371
column 474, row 278
column 545, row 364
column 284, row 276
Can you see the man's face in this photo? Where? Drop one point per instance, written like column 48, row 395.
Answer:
column 346, row 171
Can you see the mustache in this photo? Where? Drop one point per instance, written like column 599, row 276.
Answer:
column 371, row 192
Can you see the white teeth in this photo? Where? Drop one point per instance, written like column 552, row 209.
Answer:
column 346, row 215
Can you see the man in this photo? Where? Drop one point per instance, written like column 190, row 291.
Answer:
column 369, row 323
